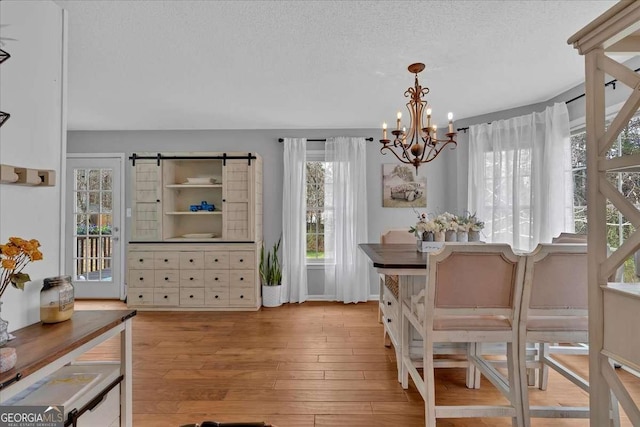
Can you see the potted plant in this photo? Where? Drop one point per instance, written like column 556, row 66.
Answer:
column 270, row 276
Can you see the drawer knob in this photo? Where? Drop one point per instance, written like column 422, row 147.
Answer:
column 216, row 279
column 141, row 260
column 216, row 296
column 190, row 278
column 242, row 278
column 190, row 260
column 166, row 296
column 166, row 260
column 241, row 296
column 139, row 296
column 215, row 260
column 388, row 302
column 141, row 279
column 166, row 278
column 241, row 260
column 388, row 320
column 190, row 296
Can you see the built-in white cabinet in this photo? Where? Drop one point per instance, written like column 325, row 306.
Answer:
column 197, row 231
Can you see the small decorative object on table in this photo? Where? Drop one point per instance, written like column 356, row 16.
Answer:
column 203, row 206
column 446, row 227
column 8, row 358
column 56, row 299
column 476, row 227
column 14, row 256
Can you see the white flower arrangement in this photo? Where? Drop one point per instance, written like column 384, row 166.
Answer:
column 446, row 222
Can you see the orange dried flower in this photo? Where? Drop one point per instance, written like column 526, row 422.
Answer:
column 14, row 256
column 8, row 263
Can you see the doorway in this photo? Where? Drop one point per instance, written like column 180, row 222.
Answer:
column 94, row 224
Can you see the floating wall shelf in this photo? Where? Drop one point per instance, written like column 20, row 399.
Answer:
column 25, row 176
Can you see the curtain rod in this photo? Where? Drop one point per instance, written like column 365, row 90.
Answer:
column 322, row 140
column 609, row 83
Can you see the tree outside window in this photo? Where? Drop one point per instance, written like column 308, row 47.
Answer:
column 628, row 183
column 317, row 175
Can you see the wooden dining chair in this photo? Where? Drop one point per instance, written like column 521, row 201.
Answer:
column 388, row 284
column 472, row 296
column 554, row 309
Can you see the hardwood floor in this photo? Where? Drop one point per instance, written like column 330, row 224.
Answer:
column 299, row 365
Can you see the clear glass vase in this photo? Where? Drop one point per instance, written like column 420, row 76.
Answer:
column 4, row 326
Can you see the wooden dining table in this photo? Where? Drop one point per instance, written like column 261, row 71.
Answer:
column 410, row 266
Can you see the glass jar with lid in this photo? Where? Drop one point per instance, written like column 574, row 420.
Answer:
column 56, row 299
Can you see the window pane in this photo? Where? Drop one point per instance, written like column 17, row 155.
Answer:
column 81, row 179
column 316, row 208
column 312, row 246
column 580, row 187
column 106, row 179
column 579, row 150
column 82, row 201
column 106, row 202
column 94, row 179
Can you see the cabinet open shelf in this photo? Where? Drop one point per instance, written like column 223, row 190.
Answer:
column 182, row 186
column 191, row 239
column 194, row 213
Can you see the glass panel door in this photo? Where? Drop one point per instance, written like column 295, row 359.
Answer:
column 93, row 226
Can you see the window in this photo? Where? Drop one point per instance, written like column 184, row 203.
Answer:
column 507, row 171
column 628, row 183
column 318, row 174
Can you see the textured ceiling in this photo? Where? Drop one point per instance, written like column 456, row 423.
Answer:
column 311, row 64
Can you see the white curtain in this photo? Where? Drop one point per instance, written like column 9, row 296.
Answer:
column 294, row 209
column 520, row 180
column 346, row 219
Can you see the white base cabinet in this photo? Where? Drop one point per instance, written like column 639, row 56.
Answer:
column 191, row 276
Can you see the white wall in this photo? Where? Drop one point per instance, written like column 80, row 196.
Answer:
column 31, row 90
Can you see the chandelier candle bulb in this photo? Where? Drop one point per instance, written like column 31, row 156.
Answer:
column 398, row 120
column 450, row 122
column 384, row 130
column 428, row 117
column 435, row 132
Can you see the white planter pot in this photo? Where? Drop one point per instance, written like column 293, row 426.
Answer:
column 271, row 296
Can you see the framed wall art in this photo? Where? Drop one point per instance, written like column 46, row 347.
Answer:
column 402, row 187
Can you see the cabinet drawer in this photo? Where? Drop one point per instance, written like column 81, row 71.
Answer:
column 216, row 260
column 140, row 260
column 241, row 278
column 241, row 260
column 242, row 296
column 140, row 296
column 167, row 278
column 141, row 278
column 192, row 278
column 216, row 298
column 216, row 278
column 193, row 297
column 191, row 260
column 166, row 260
column 166, row 296
column 106, row 413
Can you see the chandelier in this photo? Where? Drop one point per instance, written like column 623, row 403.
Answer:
column 420, row 144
